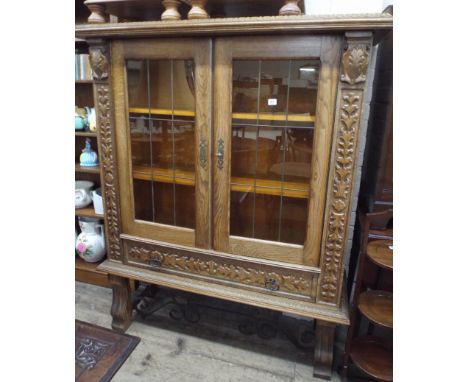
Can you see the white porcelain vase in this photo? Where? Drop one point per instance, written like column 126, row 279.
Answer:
column 90, row 243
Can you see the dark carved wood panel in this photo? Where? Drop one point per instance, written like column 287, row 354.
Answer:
column 100, row 352
column 377, row 173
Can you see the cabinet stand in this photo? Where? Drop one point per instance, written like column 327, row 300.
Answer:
column 323, row 354
column 121, row 309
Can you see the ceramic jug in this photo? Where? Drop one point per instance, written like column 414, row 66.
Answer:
column 88, row 157
column 91, row 118
column 90, row 243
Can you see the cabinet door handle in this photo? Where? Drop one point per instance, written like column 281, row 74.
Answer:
column 154, row 262
column 272, row 284
column 220, row 153
column 203, row 157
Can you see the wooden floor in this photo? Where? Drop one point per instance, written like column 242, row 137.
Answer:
column 174, row 351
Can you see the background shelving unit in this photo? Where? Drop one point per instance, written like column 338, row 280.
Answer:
column 371, row 353
column 84, row 271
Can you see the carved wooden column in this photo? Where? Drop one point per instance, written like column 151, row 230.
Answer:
column 100, row 63
column 121, row 309
column 323, row 352
column 351, row 87
column 99, row 59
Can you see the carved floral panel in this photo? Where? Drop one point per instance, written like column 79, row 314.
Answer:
column 231, row 272
column 350, row 110
column 109, row 174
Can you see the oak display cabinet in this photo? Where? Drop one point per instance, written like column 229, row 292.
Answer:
column 229, row 160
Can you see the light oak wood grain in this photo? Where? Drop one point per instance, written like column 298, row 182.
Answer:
column 240, row 26
column 326, row 99
column 203, row 89
column 325, row 48
column 200, row 52
column 283, row 304
column 222, row 131
column 187, row 178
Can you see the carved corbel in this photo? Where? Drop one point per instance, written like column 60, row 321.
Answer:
column 98, row 58
column 355, row 60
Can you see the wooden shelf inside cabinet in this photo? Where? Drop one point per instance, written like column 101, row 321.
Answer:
column 373, row 356
column 262, row 186
column 84, row 82
column 377, row 306
column 380, row 253
column 249, row 116
column 85, row 134
column 87, row 273
column 89, row 170
column 87, row 212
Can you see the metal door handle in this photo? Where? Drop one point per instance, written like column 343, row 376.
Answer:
column 220, row 153
column 154, row 262
column 203, row 158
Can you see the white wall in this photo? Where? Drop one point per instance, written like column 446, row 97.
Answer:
column 321, row 7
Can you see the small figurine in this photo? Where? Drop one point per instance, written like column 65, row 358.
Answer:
column 88, row 157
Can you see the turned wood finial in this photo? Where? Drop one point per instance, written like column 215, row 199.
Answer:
column 97, row 15
column 290, row 8
column 171, row 12
column 198, row 10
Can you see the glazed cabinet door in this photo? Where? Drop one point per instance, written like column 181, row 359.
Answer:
column 274, row 102
column 162, row 95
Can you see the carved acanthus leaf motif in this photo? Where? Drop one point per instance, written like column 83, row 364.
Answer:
column 340, row 199
column 237, row 273
column 107, row 161
column 354, row 64
column 99, row 63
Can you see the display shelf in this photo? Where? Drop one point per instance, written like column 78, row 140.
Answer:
column 87, row 212
column 380, row 253
column 250, row 116
column 89, row 170
column 87, row 273
column 275, row 117
column 85, row 134
column 386, row 234
column 84, row 82
column 263, row 186
column 377, row 306
column 373, row 356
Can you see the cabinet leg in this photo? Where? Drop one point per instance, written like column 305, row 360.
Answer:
column 121, row 309
column 323, row 355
